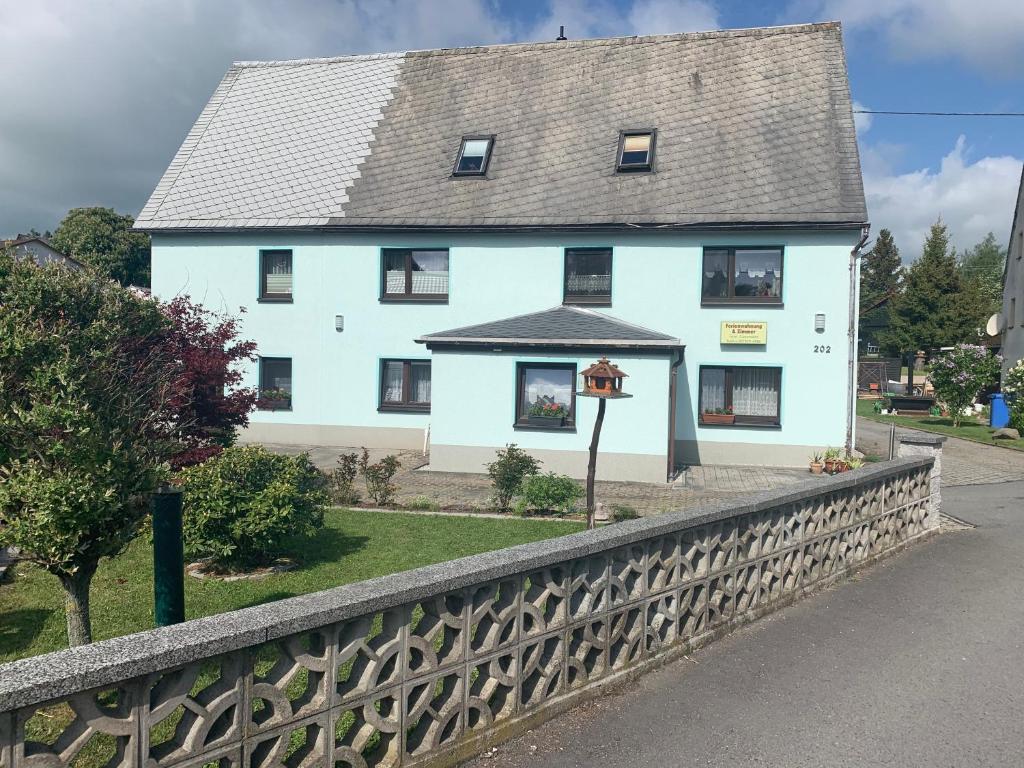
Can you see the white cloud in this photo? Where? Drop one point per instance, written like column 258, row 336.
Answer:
column 973, row 199
column 603, row 18
column 987, row 34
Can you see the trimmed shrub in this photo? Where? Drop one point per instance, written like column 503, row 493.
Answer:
column 242, row 505
column 622, row 512
column 508, row 471
column 549, row 493
column 378, row 478
column 341, row 481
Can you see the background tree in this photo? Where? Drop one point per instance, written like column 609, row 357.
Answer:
column 86, row 382
column 880, row 275
column 933, row 310
column 981, row 268
column 208, row 404
column 105, row 239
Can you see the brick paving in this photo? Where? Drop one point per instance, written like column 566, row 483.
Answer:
column 465, row 490
column 964, row 462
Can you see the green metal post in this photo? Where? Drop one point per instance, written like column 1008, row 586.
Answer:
column 168, row 557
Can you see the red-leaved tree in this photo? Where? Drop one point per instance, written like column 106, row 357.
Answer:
column 209, row 403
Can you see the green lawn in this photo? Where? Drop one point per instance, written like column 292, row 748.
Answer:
column 353, row 545
column 969, row 429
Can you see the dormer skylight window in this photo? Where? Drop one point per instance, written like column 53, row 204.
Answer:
column 474, row 155
column 636, row 150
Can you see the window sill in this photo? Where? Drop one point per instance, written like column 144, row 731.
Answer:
column 741, row 424
column 403, row 409
column 601, row 302
column 413, row 300
column 571, row 428
column 273, row 410
column 741, row 303
column 275, row 300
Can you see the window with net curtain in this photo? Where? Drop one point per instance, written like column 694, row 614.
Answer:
column 405, row 385
column 588, row 276
column 742, row 275
column 751, row 393
column 415, row 274
column 276, row 275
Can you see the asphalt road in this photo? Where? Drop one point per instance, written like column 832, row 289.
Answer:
column 916, row 661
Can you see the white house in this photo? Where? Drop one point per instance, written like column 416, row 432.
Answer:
column 443, row 239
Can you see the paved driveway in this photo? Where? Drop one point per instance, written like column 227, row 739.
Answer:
column 464, row 490
column 917, row 661
column 963, row 462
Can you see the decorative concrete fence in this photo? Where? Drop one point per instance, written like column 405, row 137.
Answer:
column 432, row 665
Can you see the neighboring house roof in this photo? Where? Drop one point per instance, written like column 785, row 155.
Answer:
column 753, row 126
column 39, row 250
column 557, row 327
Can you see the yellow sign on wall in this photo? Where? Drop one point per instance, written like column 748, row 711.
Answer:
column 744, row 333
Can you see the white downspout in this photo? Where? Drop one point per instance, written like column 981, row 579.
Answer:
column 851, row 335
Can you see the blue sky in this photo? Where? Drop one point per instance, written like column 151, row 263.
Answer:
column 105, row 91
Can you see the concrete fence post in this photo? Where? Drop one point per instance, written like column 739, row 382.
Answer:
column 924, row 444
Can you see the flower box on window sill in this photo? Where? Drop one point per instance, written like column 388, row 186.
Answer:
column 275, row 404
column 717, row 418
column 546, row 422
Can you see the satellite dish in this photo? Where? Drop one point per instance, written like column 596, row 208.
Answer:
column 994, row 322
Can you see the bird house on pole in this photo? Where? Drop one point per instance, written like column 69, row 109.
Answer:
column 603, row 379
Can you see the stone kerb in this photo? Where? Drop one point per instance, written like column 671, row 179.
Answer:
column 431, row 665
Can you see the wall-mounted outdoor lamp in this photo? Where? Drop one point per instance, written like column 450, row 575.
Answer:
column 339, row 323
column 602, row 380
column 819, row 322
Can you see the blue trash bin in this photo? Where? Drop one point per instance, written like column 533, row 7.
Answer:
column 1000, row 415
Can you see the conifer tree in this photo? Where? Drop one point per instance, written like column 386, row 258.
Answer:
column 933, row 310
column 880, row 275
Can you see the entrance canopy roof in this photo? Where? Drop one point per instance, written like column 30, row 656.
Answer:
column 556, row 327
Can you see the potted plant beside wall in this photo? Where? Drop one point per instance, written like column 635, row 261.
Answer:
column 274, row 400
column 817, row 464
column 718, row 416
column 834, row 461
column 547, row 415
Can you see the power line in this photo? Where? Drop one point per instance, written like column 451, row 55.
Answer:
column 937, row 114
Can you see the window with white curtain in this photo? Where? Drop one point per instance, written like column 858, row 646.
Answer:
column 751, row 395
column 275, row 275
column 742, row 275
column 405, row 385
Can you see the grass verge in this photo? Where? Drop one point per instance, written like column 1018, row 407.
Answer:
column 969, row 429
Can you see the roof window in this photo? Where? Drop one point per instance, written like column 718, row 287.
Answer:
column 636, row 150
column 474, row 155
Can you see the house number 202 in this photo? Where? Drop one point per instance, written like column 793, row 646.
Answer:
column 823, row 349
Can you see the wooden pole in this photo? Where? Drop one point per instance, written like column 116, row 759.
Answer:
column 592, row 466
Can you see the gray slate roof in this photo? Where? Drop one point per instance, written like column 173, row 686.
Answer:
column 754, row 126
column 558, row 326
